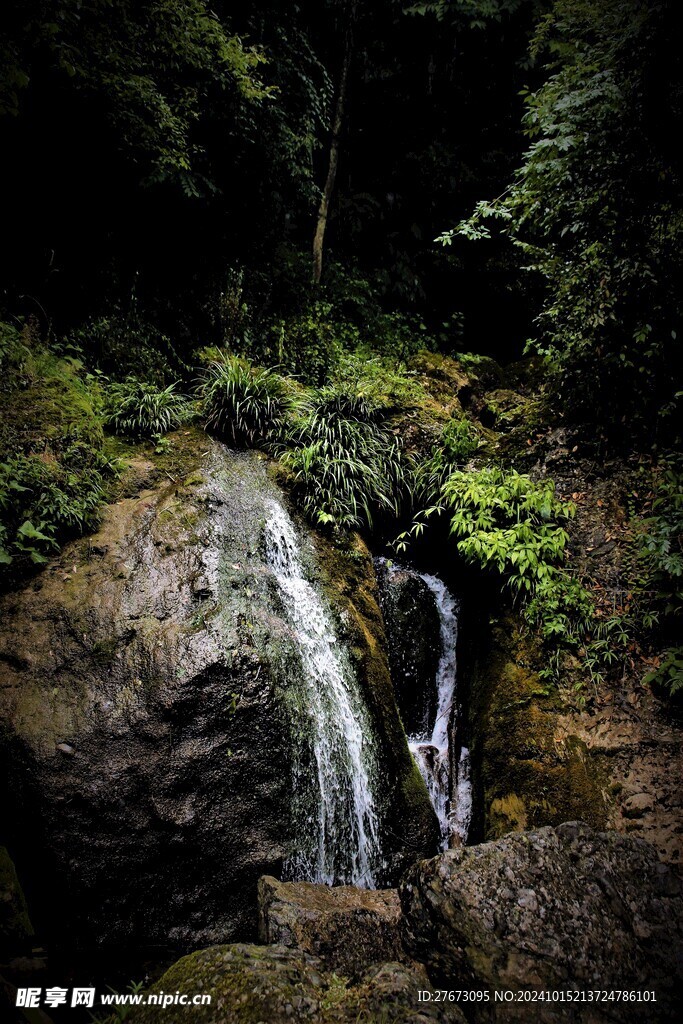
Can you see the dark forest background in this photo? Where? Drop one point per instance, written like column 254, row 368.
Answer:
column 164, row 162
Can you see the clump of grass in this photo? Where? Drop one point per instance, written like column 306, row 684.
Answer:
column 142, row 410
column 348, row 465
column 245, row 405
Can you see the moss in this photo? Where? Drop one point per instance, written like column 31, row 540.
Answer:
column 16, row 929
column 47, row 402
column 504, row 409
column 526, row 777
column 483, row 369
column 443, row 381
column 258, row 984
column 246, row 984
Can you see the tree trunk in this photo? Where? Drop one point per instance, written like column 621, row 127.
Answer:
column 337, row 123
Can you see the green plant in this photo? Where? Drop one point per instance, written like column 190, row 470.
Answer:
column 243, row 404
column 129, row 346
column 12, row 348
column 121, row 1010
column 347, row 464
column 43, row 500
column 310, row 343
column 669, row 672
column 611, row 311
column 459, row 440
column 139, row 409
column 507, row 523
column 379, row 378
column 504, row 520
column 658, row 573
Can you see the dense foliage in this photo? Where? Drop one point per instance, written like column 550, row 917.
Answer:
column 596, row 208
column 53, row 467
column 348, row 466
column 243, row 404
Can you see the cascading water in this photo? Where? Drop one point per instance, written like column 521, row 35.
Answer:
column 451, row 796
column 335, row 799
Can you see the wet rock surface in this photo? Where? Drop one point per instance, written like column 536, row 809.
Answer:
column 147, row 764
column 345, row 927
column 558, row 908
column 412, row 625
column 274, row 985
column 526, row 772
column 147, row 753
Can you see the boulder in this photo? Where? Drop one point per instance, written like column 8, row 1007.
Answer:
column 276, row 985
column 414, row 644
column 346, row 928
column 566, row 908
column 146, row 754
column 524, row 774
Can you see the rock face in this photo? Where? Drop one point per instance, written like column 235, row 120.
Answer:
column 526, row 774
column 559, row 908
column 345, row 927
column 16, row 930
column 275, row 985
column 412, row 625
column 142, row 714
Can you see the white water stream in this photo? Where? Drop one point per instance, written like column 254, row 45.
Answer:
column 451, row 797
column 335, row 784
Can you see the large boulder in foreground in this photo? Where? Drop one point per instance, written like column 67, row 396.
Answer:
column 565, row 908
column 346, row 928
column 275, row 985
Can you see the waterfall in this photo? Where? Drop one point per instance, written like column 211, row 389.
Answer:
column 449, row 785
column 334, row 796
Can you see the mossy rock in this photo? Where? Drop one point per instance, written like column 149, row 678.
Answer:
column 47, row 402
column 524, row 774
column 487, row 373
column 505, row 409
column 275, row 985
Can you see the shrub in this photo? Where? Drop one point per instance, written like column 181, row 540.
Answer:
column 52, row 467
column 503, row 521
column 459, row 440
column 658, row 586
column 129, row 346
column 140, row 410
column 309, row 344
column 243, row 404
column 348, row 465
column 12, row 348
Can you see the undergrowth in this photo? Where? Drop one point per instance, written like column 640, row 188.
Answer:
column 244, row 405
column 348, row 466
column 53, row 467
column 142, row 410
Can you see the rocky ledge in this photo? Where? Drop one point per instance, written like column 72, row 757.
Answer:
column 564, row 909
